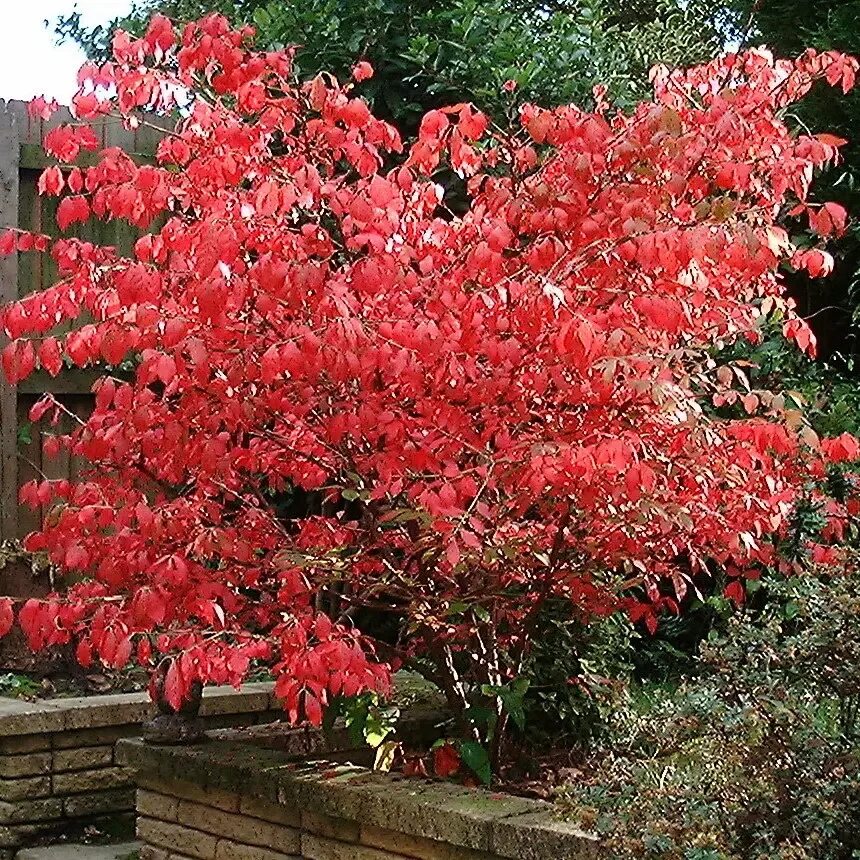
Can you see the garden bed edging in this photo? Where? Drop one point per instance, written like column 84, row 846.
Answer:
column 233, row 797
column 58, row 767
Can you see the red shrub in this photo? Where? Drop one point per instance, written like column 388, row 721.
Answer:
column 499, row 408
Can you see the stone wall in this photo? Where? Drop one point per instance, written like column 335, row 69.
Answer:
column 58, row 768
column 234, row 799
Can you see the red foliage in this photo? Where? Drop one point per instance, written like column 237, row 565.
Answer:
column 446, row 760
column 498, row 408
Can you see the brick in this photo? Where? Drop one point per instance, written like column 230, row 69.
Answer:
column 245, row 769
column 25, row 788
column 227, row 850
column 238, row 828
column 256, row 808
column 228, row 721
column 98, row 802
column 106, row 851
column 339, row 792
column 160, row 854
column 418, row 847
column 226, row 800
column 150, row 852
column 227, row 700
column 30, row 764
column 184, row 840
column 29, row 811
column 317, row 848
column 130, row 709
column 155, row 805
column 93, row 737
column 275, row 715
column 21, row 834
column 83, row 758
column 331, row 828
column 24, row 744
column 79, row 781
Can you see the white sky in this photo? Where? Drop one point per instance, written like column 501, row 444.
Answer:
column 31, row 64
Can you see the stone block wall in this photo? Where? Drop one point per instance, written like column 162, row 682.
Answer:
column 229, row 799
column 58, row 768
column 180, row 820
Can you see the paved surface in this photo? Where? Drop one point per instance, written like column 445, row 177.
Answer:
column 79, row 852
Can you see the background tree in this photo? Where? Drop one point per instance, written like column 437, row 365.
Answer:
column 430, row 53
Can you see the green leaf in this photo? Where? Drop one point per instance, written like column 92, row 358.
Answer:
column 262, row 18
column 481, row 613
column 355, row 714
column 376, row 736
column 519, row 686
column 379, row 725
column 512, row 697
column 479, row 716
column 475, row 757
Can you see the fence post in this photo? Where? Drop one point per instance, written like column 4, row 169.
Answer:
column 10, row 153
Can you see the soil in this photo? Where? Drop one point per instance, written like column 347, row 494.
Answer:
column 64, row 685
column 542, row 776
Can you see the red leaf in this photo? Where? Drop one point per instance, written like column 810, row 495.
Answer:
column 362, row 71
column 7, row 616
column 18, row 360
column 831, row 139
column 175, row 687
column 42, row 108
column 313, row 709
column 446, row 760
column 50, row 357
column 165, row 369
column 735, row 592
column 71, row 211
column 415, row 766
column 51, row 181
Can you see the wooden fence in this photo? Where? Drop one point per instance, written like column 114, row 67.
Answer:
column 22, row 158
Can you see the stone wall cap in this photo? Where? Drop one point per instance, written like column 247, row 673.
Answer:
column 19, row 717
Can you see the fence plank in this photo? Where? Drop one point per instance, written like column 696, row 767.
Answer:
column 29, row 464
column 9, row 156
column 21, row 160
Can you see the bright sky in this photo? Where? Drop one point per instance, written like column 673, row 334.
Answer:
column 31, row 64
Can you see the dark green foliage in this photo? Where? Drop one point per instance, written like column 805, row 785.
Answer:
column 433, row 52
column 789, row 27
column 756, row 756
column 575, row 672
column 826, row 391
